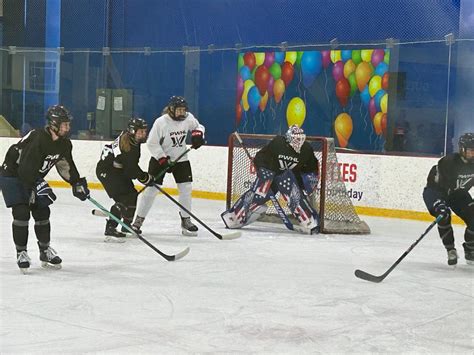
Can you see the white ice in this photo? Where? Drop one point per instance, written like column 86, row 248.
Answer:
column 270, row 291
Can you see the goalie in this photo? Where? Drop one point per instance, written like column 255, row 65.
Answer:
column 286, row 165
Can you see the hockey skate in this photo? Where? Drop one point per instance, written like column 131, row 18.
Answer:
column 23, row 261
column 452, row 257
column 135, row 229
column 468, row 253
column 49, row 258
column 188, row 228
column 112, row 235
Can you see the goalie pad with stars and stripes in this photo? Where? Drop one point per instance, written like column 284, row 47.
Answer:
column 295, row 199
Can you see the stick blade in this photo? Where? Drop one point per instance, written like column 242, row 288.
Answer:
column 180, row 255
column 231, row 235
column 368, row 277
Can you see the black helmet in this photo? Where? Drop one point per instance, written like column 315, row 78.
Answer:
column 466, row 141
column 56, row 115
column 134, row 125
column 174, row 103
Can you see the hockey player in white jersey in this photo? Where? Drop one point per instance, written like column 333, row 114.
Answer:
column 166, row 142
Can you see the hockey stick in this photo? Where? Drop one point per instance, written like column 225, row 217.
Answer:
column 166, row 256
column 100, row 213
column 369, row 277
column 227, row 236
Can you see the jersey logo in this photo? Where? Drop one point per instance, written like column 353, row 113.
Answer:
column 286, row 165
column 48, row 163
column 178, row 141
column 464, row 183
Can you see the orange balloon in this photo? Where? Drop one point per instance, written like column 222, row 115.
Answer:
column 278, row 90
column 363, row 74
column 263, row 102
column 238, row 113
column 378, row 123
column 343, row 127
column 385, row 79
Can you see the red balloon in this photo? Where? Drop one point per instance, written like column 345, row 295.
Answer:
column 238, row 113
column 287, row 73
column 385, row 78
column 343, row 90
column 262, row 76
column 249, row 60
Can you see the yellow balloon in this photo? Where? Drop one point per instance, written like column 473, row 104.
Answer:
column 343, row 127
column 335, row 56
column 247, row 86
column 349, row 68
column 363, row 73
column 296, row 112
column 384, row 103
column 366, row 55
column 259, row 58
column 291, row 57
column 378, row 123
column 375, row 84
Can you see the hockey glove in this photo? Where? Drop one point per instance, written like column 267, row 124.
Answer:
column 42, row 194
column 310, row 183
column 197, row 139
column 164, row 164
column 80, row 189
column 147, row 179
column 441, row 209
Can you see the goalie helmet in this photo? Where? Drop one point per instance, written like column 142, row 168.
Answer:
column 466, row 147
column 295, row 137
column 133, row 126
column 56, row 115
column 174, row 103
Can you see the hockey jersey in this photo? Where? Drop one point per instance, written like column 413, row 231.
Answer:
column 279, row 156
column 115, row 160
column 168, row 137
column 451, row 173
column 34, row 156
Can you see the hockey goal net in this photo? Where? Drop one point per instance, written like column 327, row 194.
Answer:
column 337, row 214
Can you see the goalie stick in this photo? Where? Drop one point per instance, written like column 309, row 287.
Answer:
column 372, row 278
column 139, row 236
column 227, row 236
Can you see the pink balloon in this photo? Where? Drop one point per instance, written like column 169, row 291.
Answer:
column 240, row 87
column 269, row 59
column 372, row 108
column 326, row 58
column 271, row 81
column 338, row 70
column 377, row 56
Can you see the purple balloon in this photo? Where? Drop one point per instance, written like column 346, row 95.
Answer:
column 240, row 86
column 338, row 70
column 377, row 57
column 326, row 58
column 269, row 59
column 372, row 108
column 271, row 81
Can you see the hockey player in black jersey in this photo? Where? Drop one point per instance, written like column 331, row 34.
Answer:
column 24, row 189
column 117, row 167
column 447, row 189
column 286, row 165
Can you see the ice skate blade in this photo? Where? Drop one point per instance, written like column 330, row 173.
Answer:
column 187, row 233
column 112, row 239
column 47, row 265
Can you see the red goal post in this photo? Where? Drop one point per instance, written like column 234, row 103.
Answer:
column 335, row 208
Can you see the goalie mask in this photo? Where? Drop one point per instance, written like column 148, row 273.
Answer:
column 295, row 137
column 56, row 115
column 466, row 147
column 177, row 108
column 133, row 127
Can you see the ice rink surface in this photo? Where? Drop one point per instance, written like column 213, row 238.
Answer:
column 270, row 291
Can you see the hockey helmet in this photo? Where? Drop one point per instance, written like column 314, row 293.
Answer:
column 466, row 147
column 134, row 124
column 56, row 115
column 174, row 103
column 295, row 137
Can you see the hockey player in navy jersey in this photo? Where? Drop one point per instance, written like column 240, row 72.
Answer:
column 166, row 142
column 447, row 189
column 26, row 192
column 286, row 165
column 116, row 169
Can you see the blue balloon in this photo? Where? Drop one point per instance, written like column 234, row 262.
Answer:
column 245, row 73
column 365, row 96
column 378, row 96
column 311, row 65
column 279, row 57
column 254, row 98
column 381, row 69
column 346, row 55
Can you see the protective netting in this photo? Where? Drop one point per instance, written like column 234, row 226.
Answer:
column 330, row 199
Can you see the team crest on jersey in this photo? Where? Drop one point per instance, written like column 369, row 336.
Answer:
column 287, row 162
column 178, row 140
column 49, row 162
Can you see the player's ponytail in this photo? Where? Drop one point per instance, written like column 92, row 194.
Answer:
column 125, row 142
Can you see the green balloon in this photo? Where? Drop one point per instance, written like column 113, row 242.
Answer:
column 353, row 84
column 356, row 58
column 299, row 55
column 240, row 62
column 275, row 70
column 253, row 73
column 386, row 57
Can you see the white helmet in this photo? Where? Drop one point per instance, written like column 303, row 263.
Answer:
column 295, row 137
